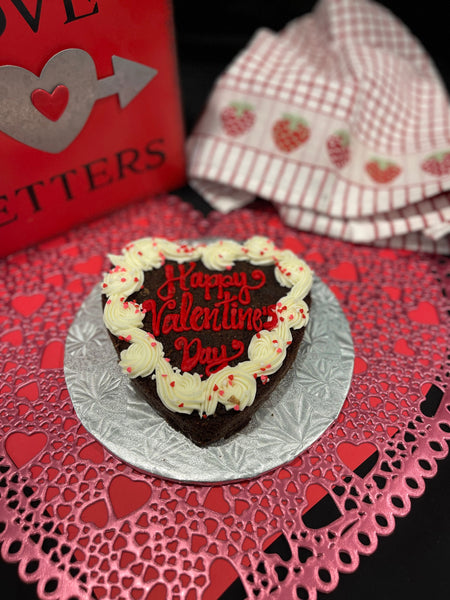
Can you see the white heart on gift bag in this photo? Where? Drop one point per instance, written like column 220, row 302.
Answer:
column 47, row 112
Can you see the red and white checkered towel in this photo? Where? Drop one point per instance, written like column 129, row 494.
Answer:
column 342, row 121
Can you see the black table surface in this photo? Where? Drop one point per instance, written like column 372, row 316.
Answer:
column 413, row 561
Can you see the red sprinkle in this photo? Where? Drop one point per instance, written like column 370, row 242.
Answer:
column 172, row 384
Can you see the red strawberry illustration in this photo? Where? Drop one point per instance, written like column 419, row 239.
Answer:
column 338, row 146
column 237, row 118
column 290, row 132
column 382, row 171
column 437, row 164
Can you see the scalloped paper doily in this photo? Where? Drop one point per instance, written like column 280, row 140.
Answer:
column 83, row 524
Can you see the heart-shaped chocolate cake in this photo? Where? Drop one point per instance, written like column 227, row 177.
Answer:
column 206, row 331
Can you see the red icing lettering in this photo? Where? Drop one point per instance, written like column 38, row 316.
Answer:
column 188, row 279
column 214, row 359
column 172, row 279
column 225, row 315
column 228, row 306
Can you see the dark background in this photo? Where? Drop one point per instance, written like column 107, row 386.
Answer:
column 413, row 562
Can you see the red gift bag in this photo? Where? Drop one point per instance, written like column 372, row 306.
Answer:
column 90, row 112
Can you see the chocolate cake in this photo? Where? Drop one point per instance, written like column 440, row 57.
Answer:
column 206, row 331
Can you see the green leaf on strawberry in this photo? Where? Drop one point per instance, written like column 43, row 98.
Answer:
column 382, row 170
column 289, row 132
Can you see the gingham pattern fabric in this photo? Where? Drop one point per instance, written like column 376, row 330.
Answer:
column 340, row 120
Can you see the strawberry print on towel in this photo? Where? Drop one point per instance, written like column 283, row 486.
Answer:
column 382, row 171
column 290, row 132
column 237, row 118
column 437, row 164
column 338, row 146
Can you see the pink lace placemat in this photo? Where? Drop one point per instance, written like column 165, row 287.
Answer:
column 82, row 524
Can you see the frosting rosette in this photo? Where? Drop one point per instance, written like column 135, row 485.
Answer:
column 233, row 387
column 142, row 355
column 291, row 270
column 301, row 288
column 178, row 252
column 179, row 392
column 267, row 349
column 140, row 254
column 122, row 281
column 221, row 255
column 119, row 316
column 260, row 250
column 295, row 313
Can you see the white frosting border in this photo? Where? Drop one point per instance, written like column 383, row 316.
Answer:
column 234, row 387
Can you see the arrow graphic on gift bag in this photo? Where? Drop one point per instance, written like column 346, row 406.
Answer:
column 48, row 112
column 130, row 77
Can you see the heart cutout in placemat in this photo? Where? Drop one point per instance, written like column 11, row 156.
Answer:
column 27, row 305
column 321, row 509
column 344, row 271
column 354, row 455
column 215, row 501
column 94, row 452
column 424, row 313
column 401, row 346
column 93, row 264
column 127, row 495
column 22, row 447
column 224, row 579
column 96, row 513
column 53, row 355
